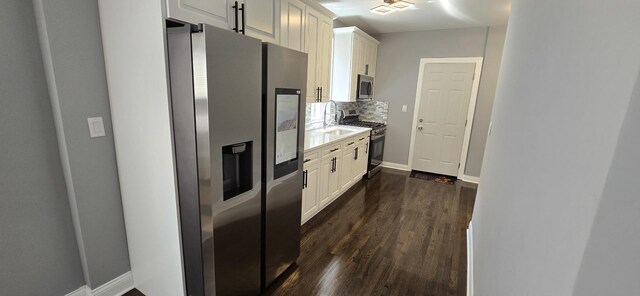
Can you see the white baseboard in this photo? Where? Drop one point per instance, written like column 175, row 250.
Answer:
column 397, row 166
column 470, row 260
column 82, row 291
column 115, row 287
column 471, row 179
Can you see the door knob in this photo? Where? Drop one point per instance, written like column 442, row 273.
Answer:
column 419, row 128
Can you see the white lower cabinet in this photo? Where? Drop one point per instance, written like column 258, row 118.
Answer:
column 332, row 170
column 349, row 167
column 310, row 201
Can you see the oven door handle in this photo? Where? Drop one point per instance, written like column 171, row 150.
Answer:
column 373, row 138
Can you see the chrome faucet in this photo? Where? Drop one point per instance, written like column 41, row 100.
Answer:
column 324, row 122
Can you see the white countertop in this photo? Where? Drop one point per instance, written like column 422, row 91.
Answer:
column 314, row 139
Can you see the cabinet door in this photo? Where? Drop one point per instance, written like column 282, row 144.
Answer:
column 324, row 188
column 212, row 12
column 310, row 200
column 325, row 58
column 346, row 171
column 334, row 179
column 373, row 60
column 365, row 158
column 355, row 49
column 292, row 18
column 313, row 36
column 371, row 56
column 359, row 167
column 262, row 19
column 361, row 54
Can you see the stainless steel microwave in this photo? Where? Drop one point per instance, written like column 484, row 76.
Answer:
column 365, row 87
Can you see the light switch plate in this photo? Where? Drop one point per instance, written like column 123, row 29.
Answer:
column 96, row 127
column 404, row 108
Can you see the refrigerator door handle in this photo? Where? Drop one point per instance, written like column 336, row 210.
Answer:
column 235, row 11
column 244, row 16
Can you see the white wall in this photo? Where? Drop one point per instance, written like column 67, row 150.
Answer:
column 611, row 264
column 567, row 75
column 140, row 109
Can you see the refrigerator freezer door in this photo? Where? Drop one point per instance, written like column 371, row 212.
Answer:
column 227, row 80
column 216, row 94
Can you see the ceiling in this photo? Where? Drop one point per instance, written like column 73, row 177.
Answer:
column 427, row 14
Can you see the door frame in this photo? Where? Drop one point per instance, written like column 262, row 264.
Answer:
column 470, row 113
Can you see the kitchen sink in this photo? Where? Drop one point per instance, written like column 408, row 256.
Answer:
column 338, row 132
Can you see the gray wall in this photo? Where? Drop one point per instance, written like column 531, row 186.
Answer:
column 486, row 94
column 77, row 65
column 399, row 57
column 611, row 263
column 38, row 251
column 556, row 121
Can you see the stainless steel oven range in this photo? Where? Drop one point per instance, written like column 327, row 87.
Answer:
column 376, row 142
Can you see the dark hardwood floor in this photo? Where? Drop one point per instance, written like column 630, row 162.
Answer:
column 391, row 235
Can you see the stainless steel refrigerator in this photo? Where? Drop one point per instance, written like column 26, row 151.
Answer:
column 283, row 91
column 216, row 98
column 238, row 124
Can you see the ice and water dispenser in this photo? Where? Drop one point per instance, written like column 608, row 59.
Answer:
column 237, row 169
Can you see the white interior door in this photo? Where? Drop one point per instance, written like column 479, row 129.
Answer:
column 442, row 115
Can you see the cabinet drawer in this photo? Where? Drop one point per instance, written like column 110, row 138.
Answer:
column 350, row 143
column 362, row 139
column 330, row 150
column 310, row 157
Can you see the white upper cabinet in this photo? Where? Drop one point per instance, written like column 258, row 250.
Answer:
column 212, row 12
column 259, row 18
column 292, row 20
column 324, row 67
column 262, row 19
column 354, row 53
column 319, row 38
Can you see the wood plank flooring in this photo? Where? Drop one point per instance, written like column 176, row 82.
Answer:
column 391, row 235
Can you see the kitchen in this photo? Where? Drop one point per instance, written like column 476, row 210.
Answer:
column 317, row 147
column 342, row 144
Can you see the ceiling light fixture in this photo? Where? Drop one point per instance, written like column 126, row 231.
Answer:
column 391, row 6
column 383, row 9
column 402, row 5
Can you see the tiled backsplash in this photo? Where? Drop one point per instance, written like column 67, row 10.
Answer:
column 376, row 111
